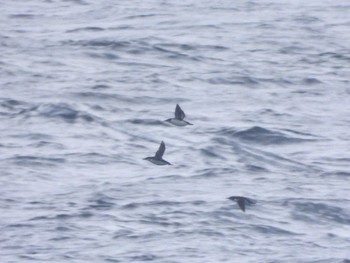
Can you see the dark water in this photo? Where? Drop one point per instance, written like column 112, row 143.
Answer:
column 85, row 87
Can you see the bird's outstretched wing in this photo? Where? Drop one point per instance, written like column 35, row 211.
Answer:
column 179, row 113
column 161, row 150
column 241, row 204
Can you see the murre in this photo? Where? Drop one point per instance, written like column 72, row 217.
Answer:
column 179, row 117
column 242, row 201
column 158, row 157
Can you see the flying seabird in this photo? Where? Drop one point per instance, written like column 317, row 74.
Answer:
column 157, row 158
column 179, row 117
column 242, row 201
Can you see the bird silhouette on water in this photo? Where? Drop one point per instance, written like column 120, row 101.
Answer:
column 158, row 157
column 242, row 201
column 179, row 117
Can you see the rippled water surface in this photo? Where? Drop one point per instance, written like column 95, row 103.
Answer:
column 85, row 87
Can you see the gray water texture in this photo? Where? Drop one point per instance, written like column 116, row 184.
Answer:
column 85, row 87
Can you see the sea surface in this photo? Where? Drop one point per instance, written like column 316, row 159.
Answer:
column 85, row 87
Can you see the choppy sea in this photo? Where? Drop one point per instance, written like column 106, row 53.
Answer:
column 85, row 87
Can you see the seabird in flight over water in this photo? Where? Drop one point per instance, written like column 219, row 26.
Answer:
column 179, row 117
column 158, row 157
column 242, row 201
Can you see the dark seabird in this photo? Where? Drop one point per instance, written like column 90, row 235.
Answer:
column 179, row 117
column 157, row 158
column 242, row 201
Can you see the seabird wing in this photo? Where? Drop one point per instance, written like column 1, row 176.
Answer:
column 161, row 150
column 241, row 204
column 179, row 113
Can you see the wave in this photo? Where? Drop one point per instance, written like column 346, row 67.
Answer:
column 13, row 107
column 341, row 55
column 63, row 111
column 186, row 47
column 319, row 213
column 102, row 204
column 113, row 44
column 211, row 152
column 246, row 80
column 135, row 205
column 27, row 160
column 311, row 81
column 254, row 157
column 65, row 216
column 259, row 135
column 113, row 97
column 144, row 46
column 147, row 122
column 272, row 230
column 89, row 29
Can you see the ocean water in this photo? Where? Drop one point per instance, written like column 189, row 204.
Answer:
column 85, row 87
